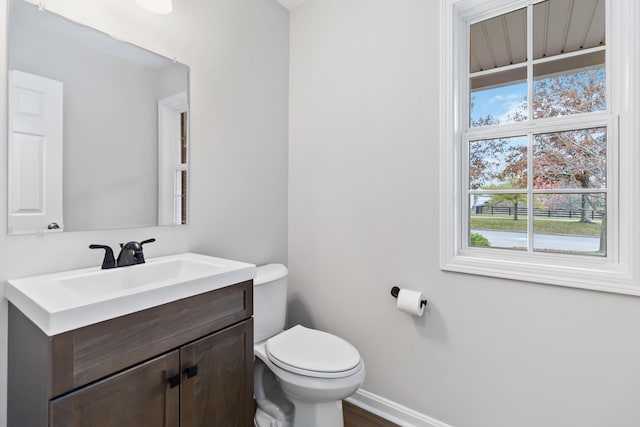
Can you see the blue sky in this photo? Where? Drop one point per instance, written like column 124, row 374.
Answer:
column 498, row 101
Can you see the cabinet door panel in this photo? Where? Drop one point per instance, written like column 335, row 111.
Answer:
column 220, row 393
column 140, row 396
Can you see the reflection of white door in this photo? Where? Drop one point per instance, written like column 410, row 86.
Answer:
column 35, row 154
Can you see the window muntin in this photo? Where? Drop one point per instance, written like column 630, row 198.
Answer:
column 550, row 180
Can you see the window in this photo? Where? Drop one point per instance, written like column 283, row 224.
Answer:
column 539, row 124
column 542, row 185
column 173, row 159
column 181, row 168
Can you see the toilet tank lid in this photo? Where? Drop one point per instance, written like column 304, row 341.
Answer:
column 269, row 273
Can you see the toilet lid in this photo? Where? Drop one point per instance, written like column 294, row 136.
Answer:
column 313, row 353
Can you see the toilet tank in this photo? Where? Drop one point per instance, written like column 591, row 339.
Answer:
column 269, row 301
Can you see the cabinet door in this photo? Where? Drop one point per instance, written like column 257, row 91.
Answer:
column 217, row 379
column 140, row 396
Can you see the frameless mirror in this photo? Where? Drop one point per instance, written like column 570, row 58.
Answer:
column 98, row 129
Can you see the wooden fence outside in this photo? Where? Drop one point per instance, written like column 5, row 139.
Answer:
column 537, row 212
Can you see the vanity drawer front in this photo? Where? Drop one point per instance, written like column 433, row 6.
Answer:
column 87, row 354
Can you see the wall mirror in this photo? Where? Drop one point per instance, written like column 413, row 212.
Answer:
column 98, row 129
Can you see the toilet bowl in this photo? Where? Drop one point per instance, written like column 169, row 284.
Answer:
column 301, row 375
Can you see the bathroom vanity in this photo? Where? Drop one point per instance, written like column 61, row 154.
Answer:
column 187, row 362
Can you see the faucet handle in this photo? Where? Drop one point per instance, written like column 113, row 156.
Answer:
column 132, row 244
column 147, row 241
column 108, row 261
column 141, row 255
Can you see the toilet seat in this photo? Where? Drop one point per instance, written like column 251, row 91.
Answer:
column 313, row 353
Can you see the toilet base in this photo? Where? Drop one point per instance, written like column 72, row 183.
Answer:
column 317, row 414
column 262, row 419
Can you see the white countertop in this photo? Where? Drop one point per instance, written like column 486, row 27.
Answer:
column 60, row 302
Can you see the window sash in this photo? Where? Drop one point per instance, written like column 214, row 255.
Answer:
column 588, row 120
column 528, row 128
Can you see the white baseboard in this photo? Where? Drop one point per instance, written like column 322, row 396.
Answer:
column 392, row 411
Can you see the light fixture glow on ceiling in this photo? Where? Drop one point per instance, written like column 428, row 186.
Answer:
column 156, row 6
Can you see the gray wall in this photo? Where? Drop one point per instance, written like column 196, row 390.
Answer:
column 363, row 215
column 238, row 53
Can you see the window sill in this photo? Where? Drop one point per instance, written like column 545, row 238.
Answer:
column 592, row 273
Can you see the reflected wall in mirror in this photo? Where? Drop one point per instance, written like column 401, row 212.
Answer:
column 98, row 129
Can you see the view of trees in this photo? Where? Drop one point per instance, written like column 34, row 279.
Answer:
column 573, row 159
column 514, row 199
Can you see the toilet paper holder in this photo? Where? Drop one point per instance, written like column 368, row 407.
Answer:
column 396, row 290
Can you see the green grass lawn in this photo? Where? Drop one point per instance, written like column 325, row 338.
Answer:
column 542, row 225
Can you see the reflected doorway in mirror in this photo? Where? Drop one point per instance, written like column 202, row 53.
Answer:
column 35, row 154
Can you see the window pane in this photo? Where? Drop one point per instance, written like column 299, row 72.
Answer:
column 570, row 223
column 183, row 137
column 498, row 41
column 498, row 98
column 561, row 26
column 569, row 86
column 183, row 198
column 498, row 221
column 180, row 198
column 498, row 164
column 572, row 159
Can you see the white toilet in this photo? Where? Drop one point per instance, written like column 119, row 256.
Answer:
column 301, row 375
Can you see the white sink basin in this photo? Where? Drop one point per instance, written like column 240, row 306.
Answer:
column 60, row 302
column 155, row 272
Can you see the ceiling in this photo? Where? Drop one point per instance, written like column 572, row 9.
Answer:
column 291, row 4
column 560, row 26
column 27, row 22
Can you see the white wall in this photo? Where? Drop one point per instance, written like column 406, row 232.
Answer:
column 238, row 54
column 363, row 217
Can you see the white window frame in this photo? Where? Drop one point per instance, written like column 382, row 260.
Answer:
column 169, row 164
column 619, row 270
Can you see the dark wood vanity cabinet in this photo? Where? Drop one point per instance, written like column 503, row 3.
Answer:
column 139, row 396
column 188, row 363
column 220, row 393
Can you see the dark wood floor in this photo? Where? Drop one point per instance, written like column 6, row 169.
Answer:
column 357, row 417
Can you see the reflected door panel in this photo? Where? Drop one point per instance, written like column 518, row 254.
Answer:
column 35, row 153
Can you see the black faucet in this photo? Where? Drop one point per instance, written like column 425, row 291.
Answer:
column 130, row 254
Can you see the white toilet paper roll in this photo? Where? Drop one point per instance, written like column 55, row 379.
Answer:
column 410, row 302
